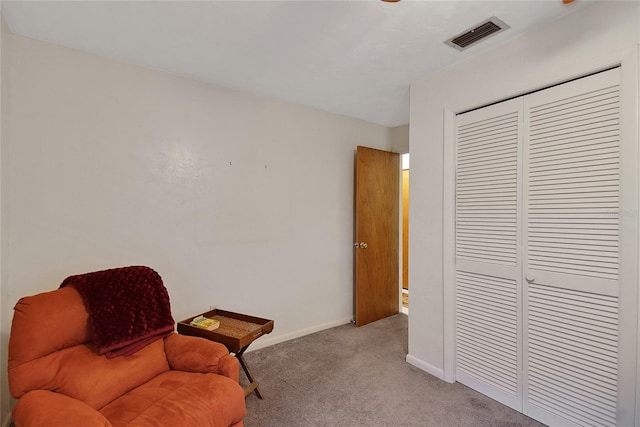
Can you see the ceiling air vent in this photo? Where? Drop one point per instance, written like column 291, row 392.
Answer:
column 479, row 32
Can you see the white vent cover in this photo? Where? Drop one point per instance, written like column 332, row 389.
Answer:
column 477, row 33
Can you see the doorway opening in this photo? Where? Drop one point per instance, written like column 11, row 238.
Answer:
column 405, row 235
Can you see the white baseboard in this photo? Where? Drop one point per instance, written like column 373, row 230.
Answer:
column 427, row 367
column 267, row 340
column 7, row 421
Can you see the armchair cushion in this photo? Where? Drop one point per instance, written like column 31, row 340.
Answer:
column 81, row 373
column 179, row 399
column 43, row 408
column 62, row 317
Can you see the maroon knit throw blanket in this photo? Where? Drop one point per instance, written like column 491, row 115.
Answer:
column 128, row 308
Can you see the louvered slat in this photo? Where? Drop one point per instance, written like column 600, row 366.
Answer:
column 573, row 169
column 573, row 354
column 486, row 329
column 486, row 180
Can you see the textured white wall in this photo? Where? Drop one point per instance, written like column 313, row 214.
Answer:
column 236, row 200
column 595, row 36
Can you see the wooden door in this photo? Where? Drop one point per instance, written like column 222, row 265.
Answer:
column 377, row 235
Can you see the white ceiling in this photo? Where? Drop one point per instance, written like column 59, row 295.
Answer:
column 355, row 58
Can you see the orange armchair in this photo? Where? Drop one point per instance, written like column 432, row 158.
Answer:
column 60, row 380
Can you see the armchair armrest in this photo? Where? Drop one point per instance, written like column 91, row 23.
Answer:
column 46, row 408
column 194, row 354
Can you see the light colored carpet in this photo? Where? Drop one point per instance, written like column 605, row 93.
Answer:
column 352, row 377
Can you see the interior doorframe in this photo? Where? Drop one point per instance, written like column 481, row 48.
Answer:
column 448, row 243
column 401, row 253
column 629, row 306
column 629, row 386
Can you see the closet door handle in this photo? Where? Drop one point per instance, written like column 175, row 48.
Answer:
column 530, row 278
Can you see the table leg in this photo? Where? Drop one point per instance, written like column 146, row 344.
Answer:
column 253, row 384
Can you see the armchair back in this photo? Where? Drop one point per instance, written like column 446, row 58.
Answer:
column 50, row 348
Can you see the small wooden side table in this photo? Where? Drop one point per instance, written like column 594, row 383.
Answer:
column 237, row 332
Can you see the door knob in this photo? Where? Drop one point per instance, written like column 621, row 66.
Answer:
column 361, row 245
column 530, row 278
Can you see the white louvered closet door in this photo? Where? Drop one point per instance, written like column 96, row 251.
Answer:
column 540, row 246
column 488, row 271
column 571, row 260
